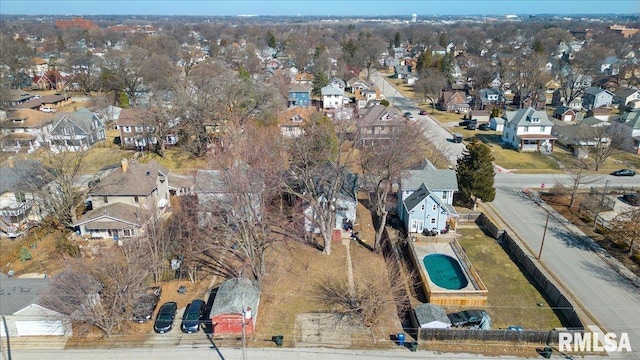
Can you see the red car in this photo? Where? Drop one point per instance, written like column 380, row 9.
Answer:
column 423, row 112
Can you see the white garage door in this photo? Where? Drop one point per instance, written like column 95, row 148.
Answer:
column 38, row 328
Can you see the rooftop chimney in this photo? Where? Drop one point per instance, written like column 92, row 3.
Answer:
column 124, row 163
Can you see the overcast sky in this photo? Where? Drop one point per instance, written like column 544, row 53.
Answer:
column 321, row 8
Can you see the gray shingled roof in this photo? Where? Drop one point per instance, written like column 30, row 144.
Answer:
column 416, row 198
column 116, row 215
column 428, row 313
column 522, row 117
column 331, row 90
column 22, row 175
column 139, row 179
column 233, row 294
column 83, row 119
column 434, row 179
column 18, row 293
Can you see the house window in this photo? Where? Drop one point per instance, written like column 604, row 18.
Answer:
column 127, row 233
column 433, row 220
column 433, row 207
column 535, row 120
column 444, row 195
column 139, row 128
column 422, row 207
column 542, row 128
column 526, row 129
column 105, row 199
column 127, row 129
column 136, row 200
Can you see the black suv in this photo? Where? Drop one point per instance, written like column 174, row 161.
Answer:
column 192, row 317
column 165, row 317
column 467, row 317
column 147, row 303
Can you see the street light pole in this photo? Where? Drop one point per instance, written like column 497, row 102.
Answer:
column 544, row 234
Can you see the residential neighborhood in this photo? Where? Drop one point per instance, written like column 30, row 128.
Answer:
column 437, row 184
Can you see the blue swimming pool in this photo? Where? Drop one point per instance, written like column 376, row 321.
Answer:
column 445, row 271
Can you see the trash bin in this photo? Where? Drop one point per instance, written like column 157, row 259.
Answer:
column 413, row 346
column 400, row 339
column 277, row 339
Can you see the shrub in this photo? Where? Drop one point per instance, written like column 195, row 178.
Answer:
column 66, row 247
column 25, row 254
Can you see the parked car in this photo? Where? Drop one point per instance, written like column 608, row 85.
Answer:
column 192, row 317
column 484, row 127
column 631, row 199
column 407, row 113
column 48, row 109
column 423, row 112
column 165, row 317
column 147, row 304
column 457, row 138
column 472, row 124
column 467, row 317
column 624, row 172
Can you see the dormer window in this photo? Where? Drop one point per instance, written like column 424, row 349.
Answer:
column 535, row 120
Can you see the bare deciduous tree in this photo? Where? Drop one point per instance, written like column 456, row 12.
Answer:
column 61, row 197
column 577, row 170
column 383, row 163
column 430, row 85
column 626, row 228
column 363, row 301
column 99, row 293
column 319, row 162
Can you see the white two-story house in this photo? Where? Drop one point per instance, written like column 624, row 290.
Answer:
column 332, row 97
column 425, row 200
column 528, row 130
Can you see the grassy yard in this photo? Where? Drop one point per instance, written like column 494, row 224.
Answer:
column 523, row 162
column 512, row 299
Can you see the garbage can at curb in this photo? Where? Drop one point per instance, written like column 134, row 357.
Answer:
column 413, row 346
column 400, row 339
column 277, row 339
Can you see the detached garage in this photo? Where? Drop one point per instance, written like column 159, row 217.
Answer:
column 235, row 305
column 24, row 316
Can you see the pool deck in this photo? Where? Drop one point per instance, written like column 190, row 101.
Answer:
column 424, row 249
column 474, row 294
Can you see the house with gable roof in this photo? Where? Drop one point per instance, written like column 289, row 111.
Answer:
column 22, row 308
column 299, row 95
column 125, row 200
column 76, row 131
column 453, row 101
column 23, row 183
column 628, row 126
column 25, row 130
column 425, row 199
column 332, row 97
column 528, row 130
column 378, row 123
column 595, row 97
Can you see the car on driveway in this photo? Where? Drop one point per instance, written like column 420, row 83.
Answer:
column 624, row 172
column 484, row 127
column 631, row 199
column 192, row 317
column 48, row 109
column 467, row 317
column 423, row 112
column 147, row 303
column 165, row 317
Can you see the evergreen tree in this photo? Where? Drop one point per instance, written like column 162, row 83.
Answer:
column 475, row 174
column 396, row 40
column 271, row 40
column 425, row 61
column 320, row 80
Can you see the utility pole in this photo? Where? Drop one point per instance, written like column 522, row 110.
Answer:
column 544, row 234
column 604, row 193
column 244, row 333
column 6, row 332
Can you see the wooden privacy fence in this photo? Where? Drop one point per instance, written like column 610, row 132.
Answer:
column 530, row 336
column 468, row 217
